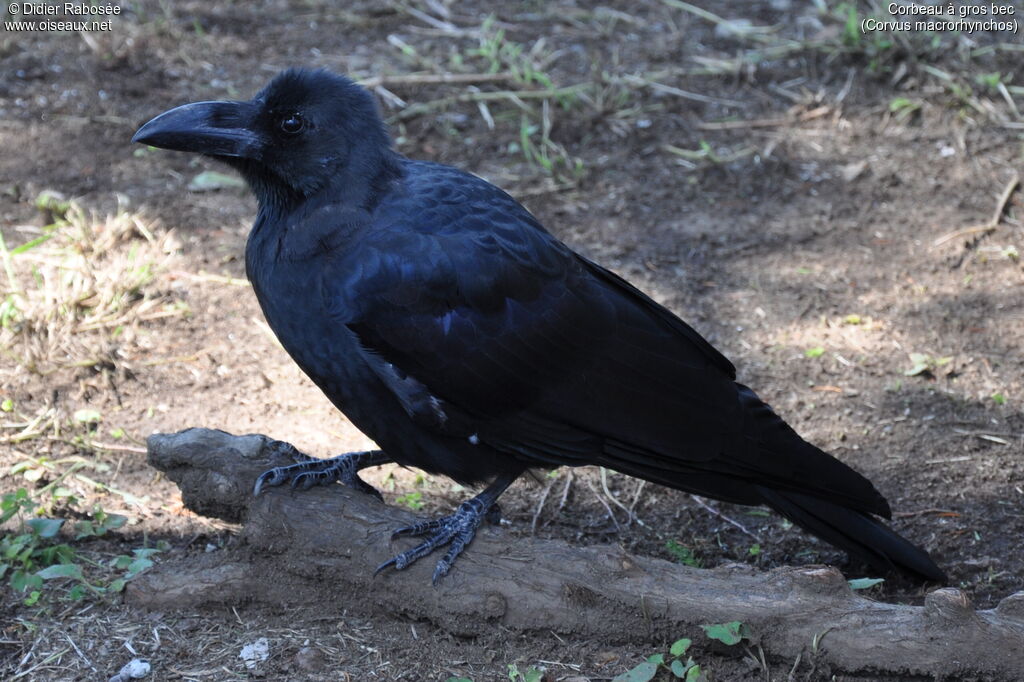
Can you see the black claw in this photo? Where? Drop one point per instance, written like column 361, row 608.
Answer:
column 362, row 486
column 269, row 479
column 389, row 562
column 456, row 531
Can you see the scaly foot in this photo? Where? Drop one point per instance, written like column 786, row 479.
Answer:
column 455, row 530
column 309, row 471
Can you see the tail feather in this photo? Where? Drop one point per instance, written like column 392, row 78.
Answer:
column 788, row 462
column 856, row 532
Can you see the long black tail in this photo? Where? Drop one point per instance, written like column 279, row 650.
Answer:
column 858, row 533
column 772, row 465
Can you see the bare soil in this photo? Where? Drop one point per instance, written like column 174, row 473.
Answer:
column 802, row 242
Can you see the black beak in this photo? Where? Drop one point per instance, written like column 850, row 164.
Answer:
column 212, row 128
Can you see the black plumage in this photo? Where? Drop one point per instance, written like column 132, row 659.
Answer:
column 466, row 340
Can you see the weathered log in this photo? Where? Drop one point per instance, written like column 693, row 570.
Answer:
column 320, row 547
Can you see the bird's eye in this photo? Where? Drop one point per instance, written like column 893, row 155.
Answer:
column 292, row 124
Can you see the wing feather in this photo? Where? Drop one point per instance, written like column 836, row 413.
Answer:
column 548, row 357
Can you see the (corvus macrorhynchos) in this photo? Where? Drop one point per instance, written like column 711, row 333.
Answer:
column 453, row 329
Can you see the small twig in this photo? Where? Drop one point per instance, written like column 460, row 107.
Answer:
column 446, row 26
column 391, row 99
column 608, row 492
column 540, row 505
column 437, row 79
column 1009, row 100
column 755, row 33
column 565, row 493
column 921, row 512
column 725, row 518
column 515, row 96
column 993, row 222
column 765, row 122
column 204, row 276
column 545, row 188
column 796, row 664
column 950, row 460
column 636, row 498
column 485, row 113
column 685, row 94
column 840, row 96
column 984, row 435
column 116, row 448
column 79, row 652
column 601, row 499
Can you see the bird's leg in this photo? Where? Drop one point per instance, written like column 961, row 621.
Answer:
column 309, row 471
column 455, row 530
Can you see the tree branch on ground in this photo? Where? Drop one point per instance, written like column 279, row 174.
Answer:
column 319, row 548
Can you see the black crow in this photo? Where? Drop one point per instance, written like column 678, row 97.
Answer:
column 453, row 329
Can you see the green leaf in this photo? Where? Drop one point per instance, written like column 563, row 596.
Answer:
column 727, row 633
column 815, row 352
column 678, row 668
column 533, row 675
column 693, row 674
column 117, row 585
column 7, row 405
column 899, row 103
column 22, row 581
column 13, row 546
column 138, row 566
column 209, row 181
column 998, row 398
column 852, row 319
column 921, row 363
column 33, row 475
column 45, row 528
column 682, row 554
column 113, row 521
column 864, row 583
column 123, row 561
column 656, row 659
column 413, row 500
column 32, row 598
column 642, row 673
column 755, row 550
column 680, row 646
column 87, row 416
column 61, row 571
column 31, row 244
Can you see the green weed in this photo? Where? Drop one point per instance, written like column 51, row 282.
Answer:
column 680, row 668
column 34, row 552
column 683, row 554
column 413, row 500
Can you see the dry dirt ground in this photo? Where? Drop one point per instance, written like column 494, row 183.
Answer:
column 797, row 190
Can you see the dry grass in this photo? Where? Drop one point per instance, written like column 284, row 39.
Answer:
column 76, row 292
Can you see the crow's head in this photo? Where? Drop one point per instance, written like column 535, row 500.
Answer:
column 305, row 130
